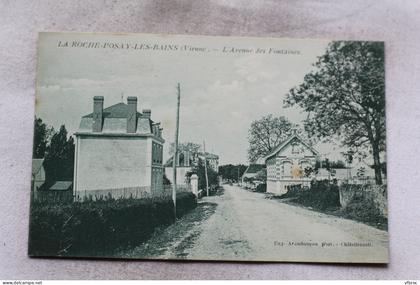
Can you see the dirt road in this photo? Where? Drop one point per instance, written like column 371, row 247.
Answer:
column 241, row 225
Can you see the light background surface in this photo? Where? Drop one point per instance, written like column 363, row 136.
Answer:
column 396, row 23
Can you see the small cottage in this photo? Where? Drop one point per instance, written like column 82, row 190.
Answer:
column 287, row 162
column 186, row 160
column 184, row 164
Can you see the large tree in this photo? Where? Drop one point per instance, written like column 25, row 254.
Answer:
column 200, row 170
column 186, row 146
column 59, row 159
column 232, row 172
column 345, row 97
column 42, row 135
column 265, row 134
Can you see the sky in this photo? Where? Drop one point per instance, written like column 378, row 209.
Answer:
column 226, row 83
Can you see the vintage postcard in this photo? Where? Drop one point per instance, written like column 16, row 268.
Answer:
column 209, row 148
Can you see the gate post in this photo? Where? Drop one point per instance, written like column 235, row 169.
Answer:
column 194, row 184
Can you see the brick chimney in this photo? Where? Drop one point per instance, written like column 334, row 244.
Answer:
column 132, row 114
column 98, row 107
column 147, row 113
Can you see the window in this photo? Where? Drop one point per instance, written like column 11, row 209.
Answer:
column 295, row 147
column 154, row 153
column 287, row 168
column 181, row 159
column 157, row 153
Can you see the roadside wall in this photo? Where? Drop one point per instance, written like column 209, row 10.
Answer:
column 370, row 194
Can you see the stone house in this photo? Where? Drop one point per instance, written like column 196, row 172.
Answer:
column 184, row 165
column 287, row 162
column 117, row 148
column 358, row 172
column 186, row 161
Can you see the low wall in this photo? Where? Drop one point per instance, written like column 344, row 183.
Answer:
column 279, row 187
column 368, row 193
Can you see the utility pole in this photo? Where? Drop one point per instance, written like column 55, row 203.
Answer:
column 205, row 168
column 176, row 148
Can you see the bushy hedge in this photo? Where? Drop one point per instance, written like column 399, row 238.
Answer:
column 293, row 191
column 98, row 228
column 366, row 203
column 364, row 210
column 262, row 188
column 321, row 195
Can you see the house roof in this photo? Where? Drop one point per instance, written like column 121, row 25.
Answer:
column 61, row 186
column 286, row 142
column 208, row 155
column 369, row 171
column 37, row 165
column 169, row 162
column 254, row 168
column 115, row 122
column 119, row 110
column 260, row 160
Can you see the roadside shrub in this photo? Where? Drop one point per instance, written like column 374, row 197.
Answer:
column 322, row 195
column 293, row 191
column 262, row 188
column 365, row 203
column 213, row 190
column 97, row 228
column 364, row 210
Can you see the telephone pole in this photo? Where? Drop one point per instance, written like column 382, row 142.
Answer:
column 205, row 168
column 176, row 148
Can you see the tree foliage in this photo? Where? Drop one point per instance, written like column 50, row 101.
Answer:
column 59, row 160
column 308, row 171
column 230, row 171
column 265, row 134
column 328, row 164
column 187, row 146
column 42, row 134
column 345, row 97
column 200, row 170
